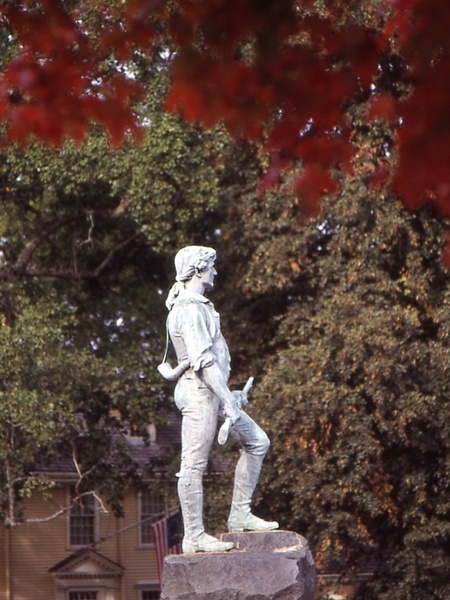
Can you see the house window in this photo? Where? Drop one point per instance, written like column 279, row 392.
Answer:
column 83, row 595
column 150, row 595
column 82, row 523
column 152, row 507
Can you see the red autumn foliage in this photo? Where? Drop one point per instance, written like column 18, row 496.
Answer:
column 54, row 86
column 420, row 30
column 311, row 185
column 280, row 72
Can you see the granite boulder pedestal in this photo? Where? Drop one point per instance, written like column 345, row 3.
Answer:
column 274, row 565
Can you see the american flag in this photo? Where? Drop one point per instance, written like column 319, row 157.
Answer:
column 167, row 535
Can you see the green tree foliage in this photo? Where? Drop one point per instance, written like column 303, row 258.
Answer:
column 86, row 235
column 54, row 404
column 357, row 391
column 344, row 323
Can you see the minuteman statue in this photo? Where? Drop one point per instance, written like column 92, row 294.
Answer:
column 202, row 395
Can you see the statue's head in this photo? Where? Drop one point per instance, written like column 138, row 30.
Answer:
column 189, row 261
column 193, row 259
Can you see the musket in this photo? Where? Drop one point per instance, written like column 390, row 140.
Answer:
column 226, row 426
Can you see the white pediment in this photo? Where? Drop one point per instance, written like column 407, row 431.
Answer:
column 87, row 563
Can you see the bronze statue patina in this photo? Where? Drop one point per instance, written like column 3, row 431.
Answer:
column 203, row 397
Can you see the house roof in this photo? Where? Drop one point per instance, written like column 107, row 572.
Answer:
column 145, row 453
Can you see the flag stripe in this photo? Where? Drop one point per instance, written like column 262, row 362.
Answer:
column 166, row 534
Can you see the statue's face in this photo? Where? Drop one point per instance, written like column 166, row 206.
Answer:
column 207, row 276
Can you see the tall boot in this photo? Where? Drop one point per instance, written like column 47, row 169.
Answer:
column 190, row 492
column 246, row 477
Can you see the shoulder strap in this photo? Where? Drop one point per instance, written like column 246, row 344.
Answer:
column 166, row 351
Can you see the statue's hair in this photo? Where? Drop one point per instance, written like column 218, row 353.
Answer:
column 188, row 261
column 192, row 259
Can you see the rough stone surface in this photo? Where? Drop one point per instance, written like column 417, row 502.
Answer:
column 274, row 565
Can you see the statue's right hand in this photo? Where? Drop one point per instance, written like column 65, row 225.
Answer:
column 232, row 411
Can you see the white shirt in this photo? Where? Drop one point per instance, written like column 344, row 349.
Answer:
column 194, row 328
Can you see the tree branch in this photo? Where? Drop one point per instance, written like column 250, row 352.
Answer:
column 36, row 271
column 30, row 248
column 65, row 509
column 112, row 253
column 24, row 268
